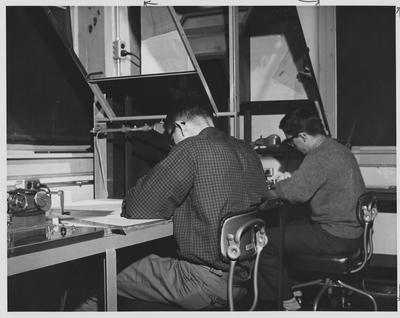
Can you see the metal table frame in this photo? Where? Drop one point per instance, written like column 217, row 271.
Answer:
column 107, row 244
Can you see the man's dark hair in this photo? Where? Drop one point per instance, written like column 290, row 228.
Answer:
column 187, row 111
column 302, row 119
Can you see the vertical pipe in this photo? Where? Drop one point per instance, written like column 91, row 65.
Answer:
column 234, row 66
column 247, row 125
column 99, row 159
column 110, row 280
column 326, row 69
column 127, row 149
column 75, row 28
column 117, row 36
column 96, row 174
column 282, row 220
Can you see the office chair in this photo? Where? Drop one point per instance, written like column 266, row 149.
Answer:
column 242, row 237
column 336, row 266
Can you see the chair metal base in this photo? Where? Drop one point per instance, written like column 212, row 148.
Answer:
column 329, row 283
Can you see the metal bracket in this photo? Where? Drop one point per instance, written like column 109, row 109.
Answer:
column 99, row 98
column 101, row 129
column 233, row 251
column 261, row 239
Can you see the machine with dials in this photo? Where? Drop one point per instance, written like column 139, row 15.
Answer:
column 30, row 226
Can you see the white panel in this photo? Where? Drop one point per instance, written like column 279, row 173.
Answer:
column 377, row 157
column 164, row 53
column 32, row 167
column 384, row 237
column 273, row 74
column 61, row 168
column 378, row 177
column 72, row 194
column 162, row 49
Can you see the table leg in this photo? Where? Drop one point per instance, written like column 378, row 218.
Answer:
column 110, row 280
column 282, row 220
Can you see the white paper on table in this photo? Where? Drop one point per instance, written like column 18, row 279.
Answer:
column 100, row 211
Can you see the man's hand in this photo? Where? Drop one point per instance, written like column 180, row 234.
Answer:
column 284, row 176
column 123, row 210
column 270, row 201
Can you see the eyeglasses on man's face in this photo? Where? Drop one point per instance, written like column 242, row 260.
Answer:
column 171, row 139
column 289, row 141
column 170, row 136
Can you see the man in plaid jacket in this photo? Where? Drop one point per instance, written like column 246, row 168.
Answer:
column 206, row 175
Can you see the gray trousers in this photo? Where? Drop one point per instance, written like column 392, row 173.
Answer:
column 171, row 281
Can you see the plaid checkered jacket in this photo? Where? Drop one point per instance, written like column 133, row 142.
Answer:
column 202, row 179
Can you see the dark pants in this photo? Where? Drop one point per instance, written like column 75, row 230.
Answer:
column 299, row 238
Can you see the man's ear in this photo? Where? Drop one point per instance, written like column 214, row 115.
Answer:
column 181, row 128
column 303, row 136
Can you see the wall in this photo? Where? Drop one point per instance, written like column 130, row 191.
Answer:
column 272, row 70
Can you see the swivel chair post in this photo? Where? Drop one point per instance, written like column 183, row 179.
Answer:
column 360, row 292
column 234, row 252
column 366, row 213
column 326, row 285
column 330, row 283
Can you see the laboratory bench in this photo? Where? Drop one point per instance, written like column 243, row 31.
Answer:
column 85, row 236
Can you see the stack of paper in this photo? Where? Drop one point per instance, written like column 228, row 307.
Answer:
column 100, row 212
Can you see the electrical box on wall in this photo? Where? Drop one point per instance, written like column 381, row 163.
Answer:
column 118, row 47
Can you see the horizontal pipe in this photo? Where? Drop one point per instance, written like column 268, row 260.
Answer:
column 131, row 118
column 153, row 117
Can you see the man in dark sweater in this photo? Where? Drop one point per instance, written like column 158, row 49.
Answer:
column 329, row 179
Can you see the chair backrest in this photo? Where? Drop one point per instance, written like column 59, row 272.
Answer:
column 367, row 207
column 242, row 237
column 240, row 234
column 367, row 211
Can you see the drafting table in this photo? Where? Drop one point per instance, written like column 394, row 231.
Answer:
column 136, row 232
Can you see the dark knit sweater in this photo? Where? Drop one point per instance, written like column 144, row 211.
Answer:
column 330, row 179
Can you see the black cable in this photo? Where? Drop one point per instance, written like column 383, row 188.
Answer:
column 125, row 53
column 138, row 65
